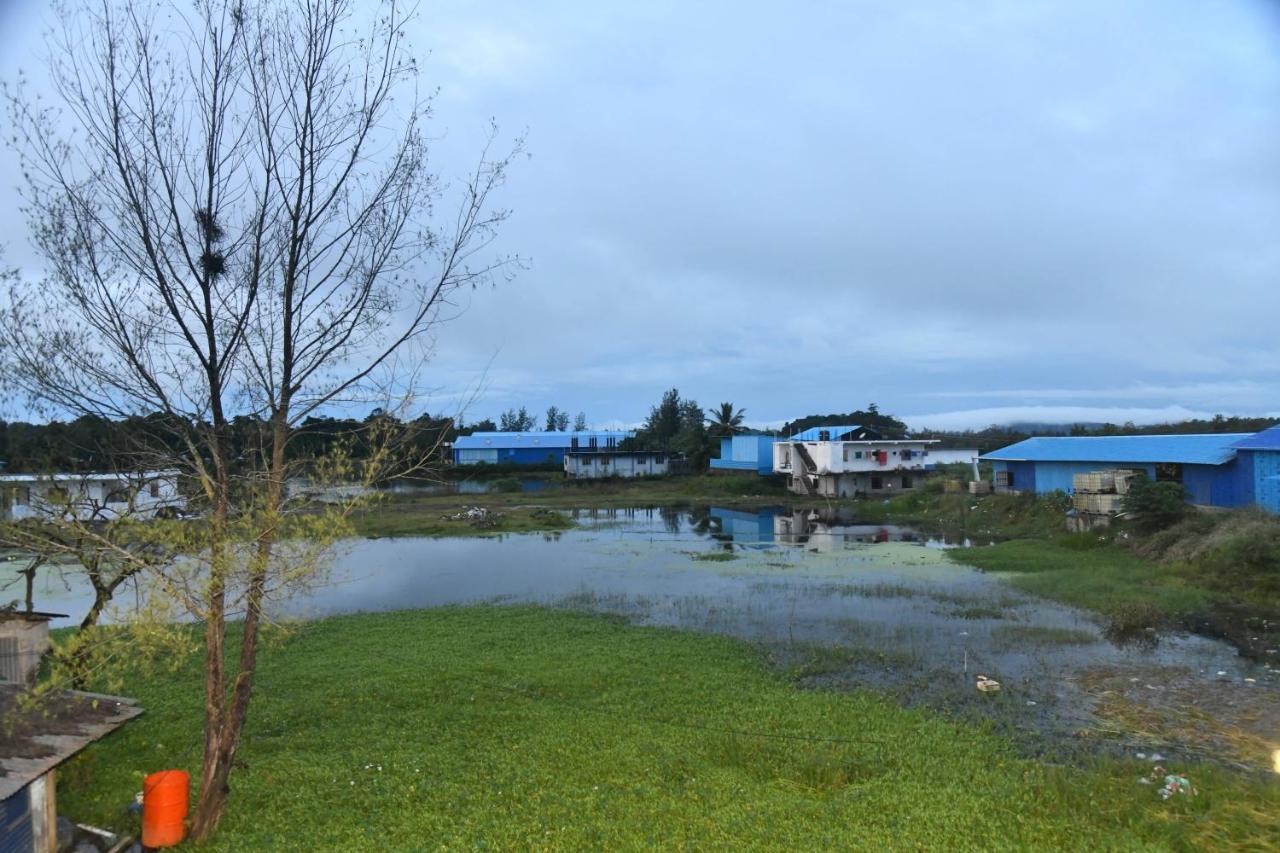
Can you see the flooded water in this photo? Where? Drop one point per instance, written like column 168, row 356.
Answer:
column 879, row 605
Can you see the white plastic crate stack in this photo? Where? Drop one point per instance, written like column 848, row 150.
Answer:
column 1100, row 492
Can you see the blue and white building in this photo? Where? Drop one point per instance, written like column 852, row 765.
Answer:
column 849, row 461
column 745, row 453
column 1206, row 465
column 1258, row 460
column 531, row 448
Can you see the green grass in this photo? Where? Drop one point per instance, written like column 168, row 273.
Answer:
column 1019, row 636
column 1103, row 578
column 409, row 518
column 517, row 728
column 712, row 556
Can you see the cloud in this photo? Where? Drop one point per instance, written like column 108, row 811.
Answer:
column 1007, row 207
column 979, row 418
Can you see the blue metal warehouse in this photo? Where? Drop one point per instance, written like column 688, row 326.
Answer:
column 746, row 453
column 1258, row 458
column 1204, row 464
column 530, row 448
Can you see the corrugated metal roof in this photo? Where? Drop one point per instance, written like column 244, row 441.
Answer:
column 814, row 433
column 537, row 439
column 1268, row 439
column 1212, row 449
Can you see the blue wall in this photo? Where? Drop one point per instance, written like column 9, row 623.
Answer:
column 1209, row 485
column 746, row 453
column 1261, row 470
column 1046, row 477
column 509, row 455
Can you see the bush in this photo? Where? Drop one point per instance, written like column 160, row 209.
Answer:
column 1155, row 506
column 505, row 484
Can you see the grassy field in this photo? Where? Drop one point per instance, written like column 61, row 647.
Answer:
column 1103, row 578
column 518, row 728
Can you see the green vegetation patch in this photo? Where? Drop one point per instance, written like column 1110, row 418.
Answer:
column 712, row 556
column 517, row 728
column 410, row 518
column 1103, row 578
column 1015, row 636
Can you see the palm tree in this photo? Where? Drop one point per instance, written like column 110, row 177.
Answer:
column 725, row 421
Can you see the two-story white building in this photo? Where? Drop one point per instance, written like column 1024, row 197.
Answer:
column 94, row 496
column 605, row 463
column 847, row 461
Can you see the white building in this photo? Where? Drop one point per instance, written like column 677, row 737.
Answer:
column 847, row 461
column 599, row 464
column 143, row 494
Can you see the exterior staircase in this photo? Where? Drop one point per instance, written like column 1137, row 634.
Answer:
column 809, row 476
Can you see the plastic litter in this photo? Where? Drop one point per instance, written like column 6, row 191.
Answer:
column 987, row 685
column 1171, row 784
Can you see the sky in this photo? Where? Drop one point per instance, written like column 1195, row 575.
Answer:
column 965, row 212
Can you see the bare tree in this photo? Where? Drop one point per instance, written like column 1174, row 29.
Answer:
column 235, row 206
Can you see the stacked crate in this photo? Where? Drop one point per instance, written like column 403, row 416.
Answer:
column 1100, row 492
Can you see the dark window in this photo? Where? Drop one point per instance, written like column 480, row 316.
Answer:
column 573, row 443
column 593, row 442
column 1168, row 472
column 824, row 435
column 659, row 459
column 875, row 483
column 154, row 488
column 906, row 482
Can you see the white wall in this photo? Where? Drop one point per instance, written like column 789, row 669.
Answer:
column 601, row 465
column 89, row 495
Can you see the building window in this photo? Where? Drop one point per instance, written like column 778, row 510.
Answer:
column 824, row 435
column 573, row 443
column 604, row 463
column 593, row 442
column 154, row 489
column 858, row 455
column 906, row 482
column 659, row 459
column 876, row 483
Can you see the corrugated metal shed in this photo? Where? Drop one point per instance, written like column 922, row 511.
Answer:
column 1268, row 439
column 1211, row 449
column 563, row 440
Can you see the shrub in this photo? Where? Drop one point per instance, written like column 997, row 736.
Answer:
column 505, row 484
column 1155, row 506
column 1134, row 622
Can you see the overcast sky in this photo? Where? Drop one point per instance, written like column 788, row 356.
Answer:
column 966, row 212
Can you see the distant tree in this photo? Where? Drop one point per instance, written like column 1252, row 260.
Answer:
column 513, row 420
column 692, row 439
column 886, row 425
column 663, row 422
column 725, row 421
column 557, row 421
column 580, row 422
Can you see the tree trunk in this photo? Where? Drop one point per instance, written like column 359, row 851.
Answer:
column 214, row 786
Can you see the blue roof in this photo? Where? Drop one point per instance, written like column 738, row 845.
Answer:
column 1212, row 449
column 538, row 439
column 1268, row 439
column 814, row 433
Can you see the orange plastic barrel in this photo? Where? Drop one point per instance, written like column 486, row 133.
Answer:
column 164, row 808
